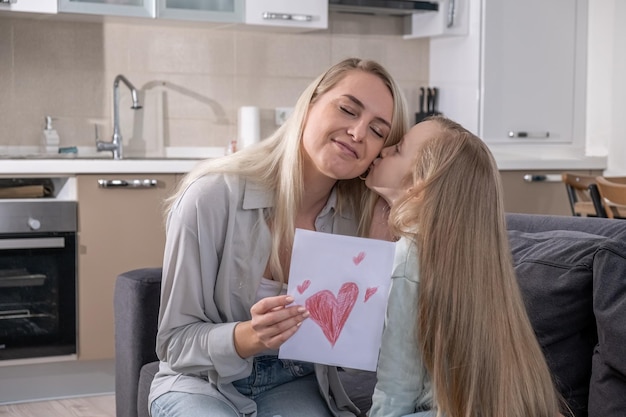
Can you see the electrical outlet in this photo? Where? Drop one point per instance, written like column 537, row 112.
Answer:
column 281, row 115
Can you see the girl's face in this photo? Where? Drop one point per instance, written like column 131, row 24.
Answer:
column 347, row 126
column 389, row 175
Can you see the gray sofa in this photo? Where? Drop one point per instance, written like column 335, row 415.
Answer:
column 572, row 272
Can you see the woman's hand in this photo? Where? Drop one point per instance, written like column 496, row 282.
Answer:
column 271, row 325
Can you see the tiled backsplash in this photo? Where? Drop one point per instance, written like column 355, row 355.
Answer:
column 194, row 76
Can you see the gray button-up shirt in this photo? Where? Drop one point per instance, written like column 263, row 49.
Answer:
column 217, row 247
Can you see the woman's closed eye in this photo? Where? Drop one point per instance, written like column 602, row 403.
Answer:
column 377, row 131
column 348, row 110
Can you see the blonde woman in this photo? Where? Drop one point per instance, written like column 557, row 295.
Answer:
column 457, row 339
column 230, row 229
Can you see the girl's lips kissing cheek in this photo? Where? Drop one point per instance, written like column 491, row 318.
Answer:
column 346, row 149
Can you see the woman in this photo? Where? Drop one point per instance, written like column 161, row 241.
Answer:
column 230, row 230
column 457, row 337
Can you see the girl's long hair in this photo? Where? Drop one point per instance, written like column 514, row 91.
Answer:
column 474, row 335
column 276, row 162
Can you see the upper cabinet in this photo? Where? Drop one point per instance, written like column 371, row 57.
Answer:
column 202, row 10
column 32, row 6
column 451, row 19
column 534, row 70
column 281, row 14
column 519, row 76
column 137, row 8
column 287, row 14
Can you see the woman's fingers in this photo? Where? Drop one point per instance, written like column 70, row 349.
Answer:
column 275, row 321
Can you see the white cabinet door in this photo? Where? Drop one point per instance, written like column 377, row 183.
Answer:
column 34, row 6
column 451, row 19
column 533, row 71
column 288, row 14
column 202, row 10
column 138, row 8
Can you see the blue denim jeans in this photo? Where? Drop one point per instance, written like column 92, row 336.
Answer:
column 280, row 388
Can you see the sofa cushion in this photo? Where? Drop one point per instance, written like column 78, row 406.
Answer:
column 608, row 375
column 574, row 287
column 555, row 273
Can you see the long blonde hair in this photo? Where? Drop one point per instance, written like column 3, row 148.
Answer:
column 276, row 162
column 473, row 331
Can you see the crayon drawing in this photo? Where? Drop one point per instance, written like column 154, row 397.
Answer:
column 343, row 282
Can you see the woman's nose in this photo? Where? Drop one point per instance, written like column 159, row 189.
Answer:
column 358, row 130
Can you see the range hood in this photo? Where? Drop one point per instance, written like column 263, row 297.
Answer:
column 383, row 7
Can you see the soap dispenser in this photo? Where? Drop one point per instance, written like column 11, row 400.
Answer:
column 49, row 138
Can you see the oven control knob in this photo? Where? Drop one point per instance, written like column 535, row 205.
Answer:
column 34, row 224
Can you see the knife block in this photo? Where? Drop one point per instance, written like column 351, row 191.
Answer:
column 419, row 116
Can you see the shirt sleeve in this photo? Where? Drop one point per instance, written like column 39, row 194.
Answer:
column 400, row 387
column 192, row 336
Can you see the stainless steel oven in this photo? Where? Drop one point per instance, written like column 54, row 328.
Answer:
column 37, row 278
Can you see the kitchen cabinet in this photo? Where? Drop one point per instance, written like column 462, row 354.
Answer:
column 287, row 14
column 534, row 77
column 33, row 6
column 119, row 229
column 452, row 19
column 281, row 14
column 519, row 77
column 135, row 8
column 537, row 192
column 202, row 10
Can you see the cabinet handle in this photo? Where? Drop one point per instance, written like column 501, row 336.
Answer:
column 451, row 13
column 532, row 135
column 542, row 178
column 147, row 183
column 287, row 16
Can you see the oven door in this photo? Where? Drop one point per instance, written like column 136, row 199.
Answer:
column 37, row 295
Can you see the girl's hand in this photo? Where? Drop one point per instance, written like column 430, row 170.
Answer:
column 272, row 323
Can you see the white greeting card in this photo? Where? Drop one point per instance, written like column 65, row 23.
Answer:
column 344, row 283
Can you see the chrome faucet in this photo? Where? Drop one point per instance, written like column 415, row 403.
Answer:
column 116, row 142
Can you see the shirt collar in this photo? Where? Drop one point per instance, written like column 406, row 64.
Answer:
column 256, row 196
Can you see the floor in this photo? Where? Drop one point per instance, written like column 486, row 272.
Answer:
column 56, row 380
column 98, row 406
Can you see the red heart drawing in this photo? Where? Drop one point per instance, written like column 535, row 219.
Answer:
column 302, row 287
column 357, row 259
column 331, row 312
column 369, row 292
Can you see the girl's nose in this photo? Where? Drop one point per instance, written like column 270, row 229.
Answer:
column 385, row 151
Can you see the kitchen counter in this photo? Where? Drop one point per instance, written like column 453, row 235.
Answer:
column 506, row 161
column 96, row 166
column 555, row 163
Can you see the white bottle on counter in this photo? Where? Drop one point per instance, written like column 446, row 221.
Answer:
column 50, row 138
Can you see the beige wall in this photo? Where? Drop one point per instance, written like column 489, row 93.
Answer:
column 65, row 69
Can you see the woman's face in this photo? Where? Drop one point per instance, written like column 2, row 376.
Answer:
column 346, row 126
column 389, row 174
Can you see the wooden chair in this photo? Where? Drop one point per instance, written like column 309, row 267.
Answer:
column 613, row 196
column 584, row 197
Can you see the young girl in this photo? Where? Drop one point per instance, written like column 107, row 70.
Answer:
column 457, row 338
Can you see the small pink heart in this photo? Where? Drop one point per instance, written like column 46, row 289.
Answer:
column 369, row 292
column 302, row 287
column 357, row 259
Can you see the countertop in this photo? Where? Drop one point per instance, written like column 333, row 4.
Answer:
column 507, row 161
column 95, row 166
